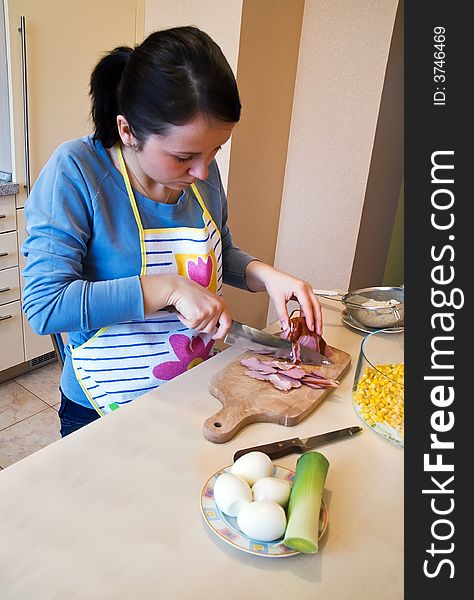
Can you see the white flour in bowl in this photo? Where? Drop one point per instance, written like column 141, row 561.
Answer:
column 380, row 303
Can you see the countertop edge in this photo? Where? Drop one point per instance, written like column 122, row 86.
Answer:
column 8, row 188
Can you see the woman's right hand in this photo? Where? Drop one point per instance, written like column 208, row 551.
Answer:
column 197, row 308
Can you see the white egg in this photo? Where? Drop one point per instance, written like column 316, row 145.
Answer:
column 253, row 466
column 231, row 493
column 272, row 488
column 262, row 520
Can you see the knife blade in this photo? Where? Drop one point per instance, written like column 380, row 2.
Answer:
column 298, row 445
column 255, row 339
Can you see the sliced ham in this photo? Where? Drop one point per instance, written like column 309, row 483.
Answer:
column 309, row 341
column 285, row 376
column 320, row 381
column 280, row 382
column 316, row 373
column 299, row 335
column 256, row 365
column 320, row 386
column 295, row 383
column 258, row 375
column 280, row 365
column 295, row 373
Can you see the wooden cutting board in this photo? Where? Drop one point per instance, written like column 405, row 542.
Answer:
column 246, row 400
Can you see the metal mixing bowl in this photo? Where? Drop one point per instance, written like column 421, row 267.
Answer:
column 356, row 303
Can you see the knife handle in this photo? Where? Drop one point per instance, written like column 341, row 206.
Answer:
column 275, row 449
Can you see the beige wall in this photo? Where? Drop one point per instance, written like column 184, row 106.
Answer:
column 260, row 39
column 219, row 18
column 266, row 73
column 385, row 177
column 311, row 76
column 394, row 273
column 343, row 58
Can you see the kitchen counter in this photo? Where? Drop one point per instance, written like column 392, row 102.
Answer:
column 112, row 511
column 8, row 188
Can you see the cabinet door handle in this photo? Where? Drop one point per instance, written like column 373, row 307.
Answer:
column 22, row 30
column 3, row 253
column 7, row 289
column 3, row 216
column 5, row 317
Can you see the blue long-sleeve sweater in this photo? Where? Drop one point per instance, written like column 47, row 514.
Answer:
column 82, row 250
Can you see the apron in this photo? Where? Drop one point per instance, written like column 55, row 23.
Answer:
column 124, row 361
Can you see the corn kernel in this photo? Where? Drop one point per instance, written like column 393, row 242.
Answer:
column 380, row 399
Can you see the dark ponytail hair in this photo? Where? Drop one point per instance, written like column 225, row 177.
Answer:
column 173, row 76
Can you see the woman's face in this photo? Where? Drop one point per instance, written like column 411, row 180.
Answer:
column 183, row 155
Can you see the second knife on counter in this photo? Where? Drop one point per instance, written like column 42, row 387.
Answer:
column 297, row 445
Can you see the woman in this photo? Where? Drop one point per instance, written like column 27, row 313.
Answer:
column 128, row 243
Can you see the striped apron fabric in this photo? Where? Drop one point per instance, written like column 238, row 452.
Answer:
column 124, row 361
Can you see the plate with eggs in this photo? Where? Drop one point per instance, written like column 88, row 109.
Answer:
column 245, row 504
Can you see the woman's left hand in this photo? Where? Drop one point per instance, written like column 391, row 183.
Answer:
column 282, row 288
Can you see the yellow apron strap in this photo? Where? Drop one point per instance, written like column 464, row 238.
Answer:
column 136, row 214
column 204, row 208
column 199, row 198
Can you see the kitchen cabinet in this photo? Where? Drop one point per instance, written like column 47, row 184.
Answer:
column 9, row 285
column 19, row 344
column 11, row 328
column 8, row 250
column 7, row 213
column 34, row 345
column 63, row 41
column 11, row 335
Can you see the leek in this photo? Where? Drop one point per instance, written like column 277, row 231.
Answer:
column 302, row 530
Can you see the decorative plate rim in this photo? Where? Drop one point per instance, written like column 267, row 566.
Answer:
column 235, row 535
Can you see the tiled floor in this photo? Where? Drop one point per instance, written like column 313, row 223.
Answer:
column 28, row 413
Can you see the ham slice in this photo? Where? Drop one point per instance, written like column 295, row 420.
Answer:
column 299, row 335
column 294, row 373
column 280, row 382
column 295, row 383
column 255, row 365
column 285, row 376
column 280, row 365
column 258, row 375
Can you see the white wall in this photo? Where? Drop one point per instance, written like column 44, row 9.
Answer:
column 218, row 18
column 341, row 68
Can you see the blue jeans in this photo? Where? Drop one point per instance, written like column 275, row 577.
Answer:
column 74, row 416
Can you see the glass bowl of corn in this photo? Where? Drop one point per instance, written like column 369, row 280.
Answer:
column 378, row 388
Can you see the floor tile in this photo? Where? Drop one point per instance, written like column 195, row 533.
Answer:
column 17, row 403
column 28, row 436
column 43, row 382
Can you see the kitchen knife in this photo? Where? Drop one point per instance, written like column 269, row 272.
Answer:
column 254, row 339
column 297, row 445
